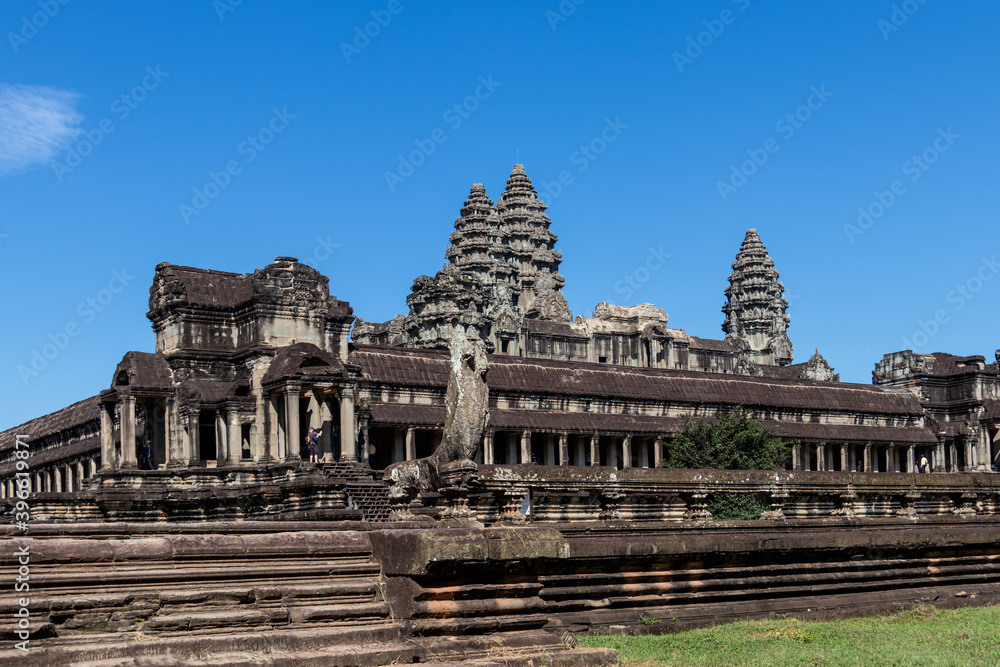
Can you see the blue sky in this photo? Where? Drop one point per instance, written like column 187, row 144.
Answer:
column 114, row 117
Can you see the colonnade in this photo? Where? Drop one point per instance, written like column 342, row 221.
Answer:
column 65, row 477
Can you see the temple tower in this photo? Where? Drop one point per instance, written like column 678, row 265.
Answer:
column 756, row 321
column 530, row 248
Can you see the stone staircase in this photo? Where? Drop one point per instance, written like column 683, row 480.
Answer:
column 364, row 489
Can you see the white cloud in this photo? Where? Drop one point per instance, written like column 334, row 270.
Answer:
column 35, row 123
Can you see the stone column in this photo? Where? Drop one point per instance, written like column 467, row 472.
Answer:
column 821, row 456
column 845, row 458
column 57, row 485
column 868, row 457
column 911, row 457
column 235, row 429
column 969, row 458
column 657, row 452
column 595, row 450
column 488, row 447
column 128, row 432
column 175, row 441
column 221, row 439
column 526, row 447
column 953, row 457
column 80, row 475
column 891, row 460
column 366, row 450
column 797, row 456
column 627, row 451
column 107, row 440
column 193, row 438
column 411, row 444
column 564, row 449
column 939, row 464
column 326, row 421
column 292, row 431
column 348, row 443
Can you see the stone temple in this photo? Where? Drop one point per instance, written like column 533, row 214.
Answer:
column 581, row 412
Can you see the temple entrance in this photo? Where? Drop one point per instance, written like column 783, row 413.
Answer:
column 207, row 450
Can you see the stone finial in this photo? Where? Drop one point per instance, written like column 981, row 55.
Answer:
column 755, row 306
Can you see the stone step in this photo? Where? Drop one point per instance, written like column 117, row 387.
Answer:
column 365, row 647
column 193, row 648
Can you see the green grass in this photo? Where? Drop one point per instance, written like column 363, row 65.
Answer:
column 923, row 636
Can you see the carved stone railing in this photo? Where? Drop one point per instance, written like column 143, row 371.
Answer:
column 568, row 493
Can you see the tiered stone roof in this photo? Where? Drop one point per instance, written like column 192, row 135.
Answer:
column 756, row 321
column 502, row 267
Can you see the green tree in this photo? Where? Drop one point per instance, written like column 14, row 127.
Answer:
column 736, row 442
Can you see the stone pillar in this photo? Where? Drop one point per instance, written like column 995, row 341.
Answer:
column 911, row 457
column 868, row 457
column 107, row 440
column 488, row 447
column 313, row 410
column 57, row 486
column 235, row 449
column 411, row 444
column 627, row 451
column 939, row 461
column 293, row 434
column 128, row 432
column 891, row 460
column 526, row 447
column 845, row 458
column 221, row 439
column 797, row 456
column 326, row 423
column 821, row 456
column 365, row 451
column 969, row 458
column 564, row 449
column 80, row 475
column 175, row 444
column 193, row 438
column 595, row 450
column 953, row 457
column 657, row 452
column 348, row 443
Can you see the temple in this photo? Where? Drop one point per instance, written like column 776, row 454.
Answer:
column 177, row 511
column 245, row 364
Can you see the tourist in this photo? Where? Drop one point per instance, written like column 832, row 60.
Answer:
column 312, row 442
column 925, row 466
column 146, row 456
